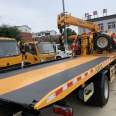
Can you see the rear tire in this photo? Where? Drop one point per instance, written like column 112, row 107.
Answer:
column 101, row 92
column 102, row 42
column 58, row 57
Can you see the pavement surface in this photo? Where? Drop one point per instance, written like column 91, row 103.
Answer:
column 80, row 109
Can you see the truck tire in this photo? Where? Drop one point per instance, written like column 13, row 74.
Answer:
column 101, row 92
column 102, row 42
column 58, row 57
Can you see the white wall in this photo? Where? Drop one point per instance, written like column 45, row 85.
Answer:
column 105, row 22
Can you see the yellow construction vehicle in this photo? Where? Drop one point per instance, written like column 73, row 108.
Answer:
column 31, row 89
column 38, row 52
column 95, row 40
column 10, row 54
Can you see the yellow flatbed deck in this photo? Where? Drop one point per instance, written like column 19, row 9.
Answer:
column 41, row 85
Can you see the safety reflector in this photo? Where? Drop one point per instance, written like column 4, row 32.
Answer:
column 62, row 110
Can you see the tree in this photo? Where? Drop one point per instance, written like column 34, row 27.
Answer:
column 70, row 32
column 12, row 32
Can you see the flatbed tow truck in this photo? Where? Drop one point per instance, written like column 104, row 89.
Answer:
column 31, row 89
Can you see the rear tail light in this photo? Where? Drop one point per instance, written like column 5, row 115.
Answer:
column 62, row 110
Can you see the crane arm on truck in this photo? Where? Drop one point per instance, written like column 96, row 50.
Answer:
column 93, row 41
column 66, row 19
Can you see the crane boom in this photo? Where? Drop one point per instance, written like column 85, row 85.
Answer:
column 66, row 19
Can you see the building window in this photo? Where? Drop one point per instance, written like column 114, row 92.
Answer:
column 101, row 26
column 47, row 33
column 111, row 25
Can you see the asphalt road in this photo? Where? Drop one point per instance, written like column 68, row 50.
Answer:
column 81, row 109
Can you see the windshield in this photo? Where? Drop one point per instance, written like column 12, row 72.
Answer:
column 45, row 48
column 8, row 48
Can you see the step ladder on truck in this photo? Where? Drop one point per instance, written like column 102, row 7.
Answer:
column 34, row 88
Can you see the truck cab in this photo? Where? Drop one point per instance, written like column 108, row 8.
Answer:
column 38, row 52
column 10, row 54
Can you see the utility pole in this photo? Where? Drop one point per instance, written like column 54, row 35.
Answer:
column 63, row 6
column 65, row 29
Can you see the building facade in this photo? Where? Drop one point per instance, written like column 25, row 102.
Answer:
column 25, row 33
column 105, row 23
column 24, row 28
column 45, row 33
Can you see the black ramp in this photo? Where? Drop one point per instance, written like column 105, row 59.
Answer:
column 39, row 89
column 9, row 74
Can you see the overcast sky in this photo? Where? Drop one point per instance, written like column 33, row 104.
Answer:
column 42, row 14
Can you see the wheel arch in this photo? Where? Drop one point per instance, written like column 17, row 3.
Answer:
column 105, row 73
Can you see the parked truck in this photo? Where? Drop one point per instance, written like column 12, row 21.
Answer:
column 37, row 52
column 10, row 54
column 34, row 88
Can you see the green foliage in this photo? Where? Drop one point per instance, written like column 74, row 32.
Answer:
column 69, row 33
column 7, row 31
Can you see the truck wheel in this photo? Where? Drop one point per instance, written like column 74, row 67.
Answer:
column 58, row 57
column 101, row 92
column 102, row 42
